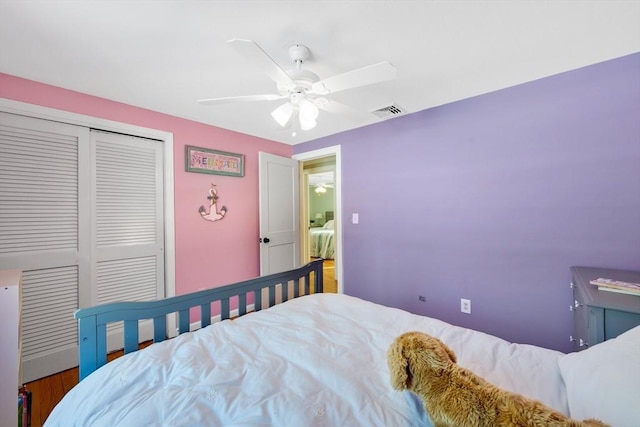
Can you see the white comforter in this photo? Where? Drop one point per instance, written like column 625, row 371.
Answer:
column 318, row 360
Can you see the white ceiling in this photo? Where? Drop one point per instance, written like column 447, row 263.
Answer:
column 164, row 55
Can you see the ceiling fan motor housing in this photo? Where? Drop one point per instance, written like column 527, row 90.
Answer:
column 303, row 79
column 299, row 53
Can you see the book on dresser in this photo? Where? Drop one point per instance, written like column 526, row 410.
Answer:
column 610, row 285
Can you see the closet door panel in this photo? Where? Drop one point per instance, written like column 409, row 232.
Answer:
column 49, row 331
column 43, row 232
column 129, row 238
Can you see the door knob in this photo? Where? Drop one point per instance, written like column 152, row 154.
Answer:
column 265, row 240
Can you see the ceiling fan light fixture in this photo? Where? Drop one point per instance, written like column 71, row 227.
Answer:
column 308, row 110
column 307, row 124
column 283, row 114
column 308, row 113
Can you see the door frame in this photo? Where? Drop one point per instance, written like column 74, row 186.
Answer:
column 334, row 150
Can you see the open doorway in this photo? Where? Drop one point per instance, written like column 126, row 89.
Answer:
column 320, row 212
column 319, row 179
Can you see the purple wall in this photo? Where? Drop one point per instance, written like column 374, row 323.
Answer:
column 493, row 198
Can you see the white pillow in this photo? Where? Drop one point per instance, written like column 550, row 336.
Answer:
column 328, row 224
column 603, row 382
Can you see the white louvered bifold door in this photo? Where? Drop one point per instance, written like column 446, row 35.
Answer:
column 81, row 214
column 44, row 225
column 129, row 233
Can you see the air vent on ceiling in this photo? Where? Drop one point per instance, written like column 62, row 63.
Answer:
column 389, row 111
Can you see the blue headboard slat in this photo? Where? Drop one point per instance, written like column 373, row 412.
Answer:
column 159, row 328
column 285, row 291
column 183, row 321
column 296, row 288
column 242, row 304
column 224, row 309
column 101, row 343
column 130, row 336
column 306, row 284
column 87, row 333
column 257, row 297
column 205, row 315
column 272, row 295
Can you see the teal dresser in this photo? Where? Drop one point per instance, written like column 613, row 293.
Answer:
column 600, row 315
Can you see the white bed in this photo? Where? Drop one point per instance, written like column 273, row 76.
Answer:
column 321, row 241
column 320, row 360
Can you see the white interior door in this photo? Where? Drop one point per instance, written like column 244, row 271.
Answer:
column 279, row 214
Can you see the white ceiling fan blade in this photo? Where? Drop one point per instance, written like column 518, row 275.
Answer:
column 356, row 78
column 246, row 98
column 351, row 113
column 254, row 53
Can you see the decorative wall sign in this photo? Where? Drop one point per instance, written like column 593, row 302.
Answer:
column 213, row 214
column 204, row 160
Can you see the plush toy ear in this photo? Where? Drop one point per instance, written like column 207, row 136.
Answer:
column 418, row 352
column 437, row 354
column 452, row 355
column 398, row 366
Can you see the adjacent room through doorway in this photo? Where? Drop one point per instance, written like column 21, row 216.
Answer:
column 319, row 213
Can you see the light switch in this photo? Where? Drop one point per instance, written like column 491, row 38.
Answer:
column 354, row 218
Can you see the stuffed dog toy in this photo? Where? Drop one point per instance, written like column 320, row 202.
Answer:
column 456, row 397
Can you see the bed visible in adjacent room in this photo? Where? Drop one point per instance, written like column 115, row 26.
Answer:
column 321, row 241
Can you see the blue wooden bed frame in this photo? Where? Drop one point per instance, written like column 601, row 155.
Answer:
column 92, row 321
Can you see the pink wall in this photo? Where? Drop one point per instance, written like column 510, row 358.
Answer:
column 208, row 253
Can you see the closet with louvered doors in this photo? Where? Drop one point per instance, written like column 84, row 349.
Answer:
column 81, row 214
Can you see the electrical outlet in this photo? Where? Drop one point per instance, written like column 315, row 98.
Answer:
column 421, row 298
column 465, row 305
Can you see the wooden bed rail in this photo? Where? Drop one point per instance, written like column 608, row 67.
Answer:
column 92, row 321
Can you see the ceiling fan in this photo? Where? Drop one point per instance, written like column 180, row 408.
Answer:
column 321, row 181
column 304, row 91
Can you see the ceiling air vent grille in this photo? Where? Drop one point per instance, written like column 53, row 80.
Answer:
column 389, row 111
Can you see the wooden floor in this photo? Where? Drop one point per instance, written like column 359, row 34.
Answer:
column 47, row 392
column 329, row 276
